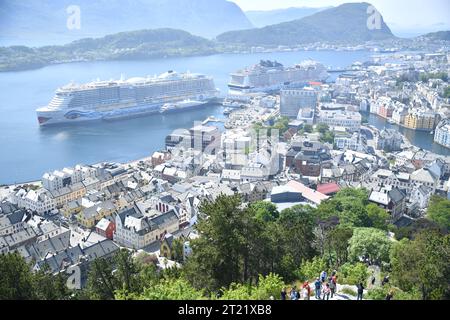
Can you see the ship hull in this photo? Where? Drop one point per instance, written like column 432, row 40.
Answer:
column 74, row 116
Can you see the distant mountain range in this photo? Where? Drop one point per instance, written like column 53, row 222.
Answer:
column 265, row 18
column 440, row 35
column 43, row 22
column 133, row 45
column 345, row 23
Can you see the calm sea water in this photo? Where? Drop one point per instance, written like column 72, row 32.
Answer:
column 422, row 139
column 27, row 151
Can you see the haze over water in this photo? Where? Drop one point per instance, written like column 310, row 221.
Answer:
column 27, row 151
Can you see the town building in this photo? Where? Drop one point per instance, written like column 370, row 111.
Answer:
column 293, row 100
column 442, row 133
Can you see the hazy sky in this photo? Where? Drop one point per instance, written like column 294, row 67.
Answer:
column 399, row 14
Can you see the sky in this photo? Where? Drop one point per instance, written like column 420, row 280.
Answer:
column 401, row 15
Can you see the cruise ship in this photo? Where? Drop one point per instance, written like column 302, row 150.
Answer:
column 118, row 99
column 267, row 76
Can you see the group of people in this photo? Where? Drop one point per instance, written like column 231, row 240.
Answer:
column 324, row 287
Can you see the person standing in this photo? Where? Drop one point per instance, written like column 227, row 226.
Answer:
column 306, row 291
column 293, row 294
column 323, row 276
column 326, row 291
column 317, row 287
column 360, row 291
column 385, row 280
column 283, row 294
column 332, row 286
column 372, row 281
column 390, row 295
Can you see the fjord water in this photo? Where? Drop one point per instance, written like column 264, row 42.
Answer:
column 27, row 151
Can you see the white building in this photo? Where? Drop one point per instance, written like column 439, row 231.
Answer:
column 442, row 133
column 136, row 230
column 40, row 201
column 59, row 179
column 350, row 120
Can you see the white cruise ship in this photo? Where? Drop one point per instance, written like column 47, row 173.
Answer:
column 105, row 100
column 269, row 76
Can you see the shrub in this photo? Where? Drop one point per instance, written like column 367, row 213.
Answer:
column 353, row 273
column 270, row 285
column 311, row 269
column 349, row 291
column 380, row 294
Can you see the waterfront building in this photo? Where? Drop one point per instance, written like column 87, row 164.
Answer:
column 399, row 115
column 59, row 179
column 386, row 110
column 388, row 140
column 420, row 119
column 442, row 133
column 292, row 101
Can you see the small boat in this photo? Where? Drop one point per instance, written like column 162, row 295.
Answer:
column 432, row 132
column 182, row 105
column 227, row 111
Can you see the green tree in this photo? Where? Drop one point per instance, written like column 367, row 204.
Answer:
column 16, row 279
column 377, row 216
column 311, row 269
column 50, row 287
column 178, row 289
column 371, row 244
column 265, row 211
column 353, row 273
column 423, row 264
column 298, row 224
column 268, row 286
column 322, row 128
column 439, row 211
column 216, row 259
column 101, row 284
column 127, row 272
column 337, row 244
column 307, row 128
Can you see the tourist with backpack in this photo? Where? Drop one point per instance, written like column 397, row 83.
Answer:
column 317, row 287
column 293, row 294
column 332, row 286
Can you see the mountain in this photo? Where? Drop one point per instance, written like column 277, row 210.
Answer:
column 41, row 22
column 265, row 18
column 345, row 23
column 143, row 44
column 439, row 35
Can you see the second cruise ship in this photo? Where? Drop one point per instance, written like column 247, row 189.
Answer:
column 269, row 76
column 107, row 100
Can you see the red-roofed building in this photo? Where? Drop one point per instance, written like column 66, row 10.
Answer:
column 315, row 83
column 328, row 188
